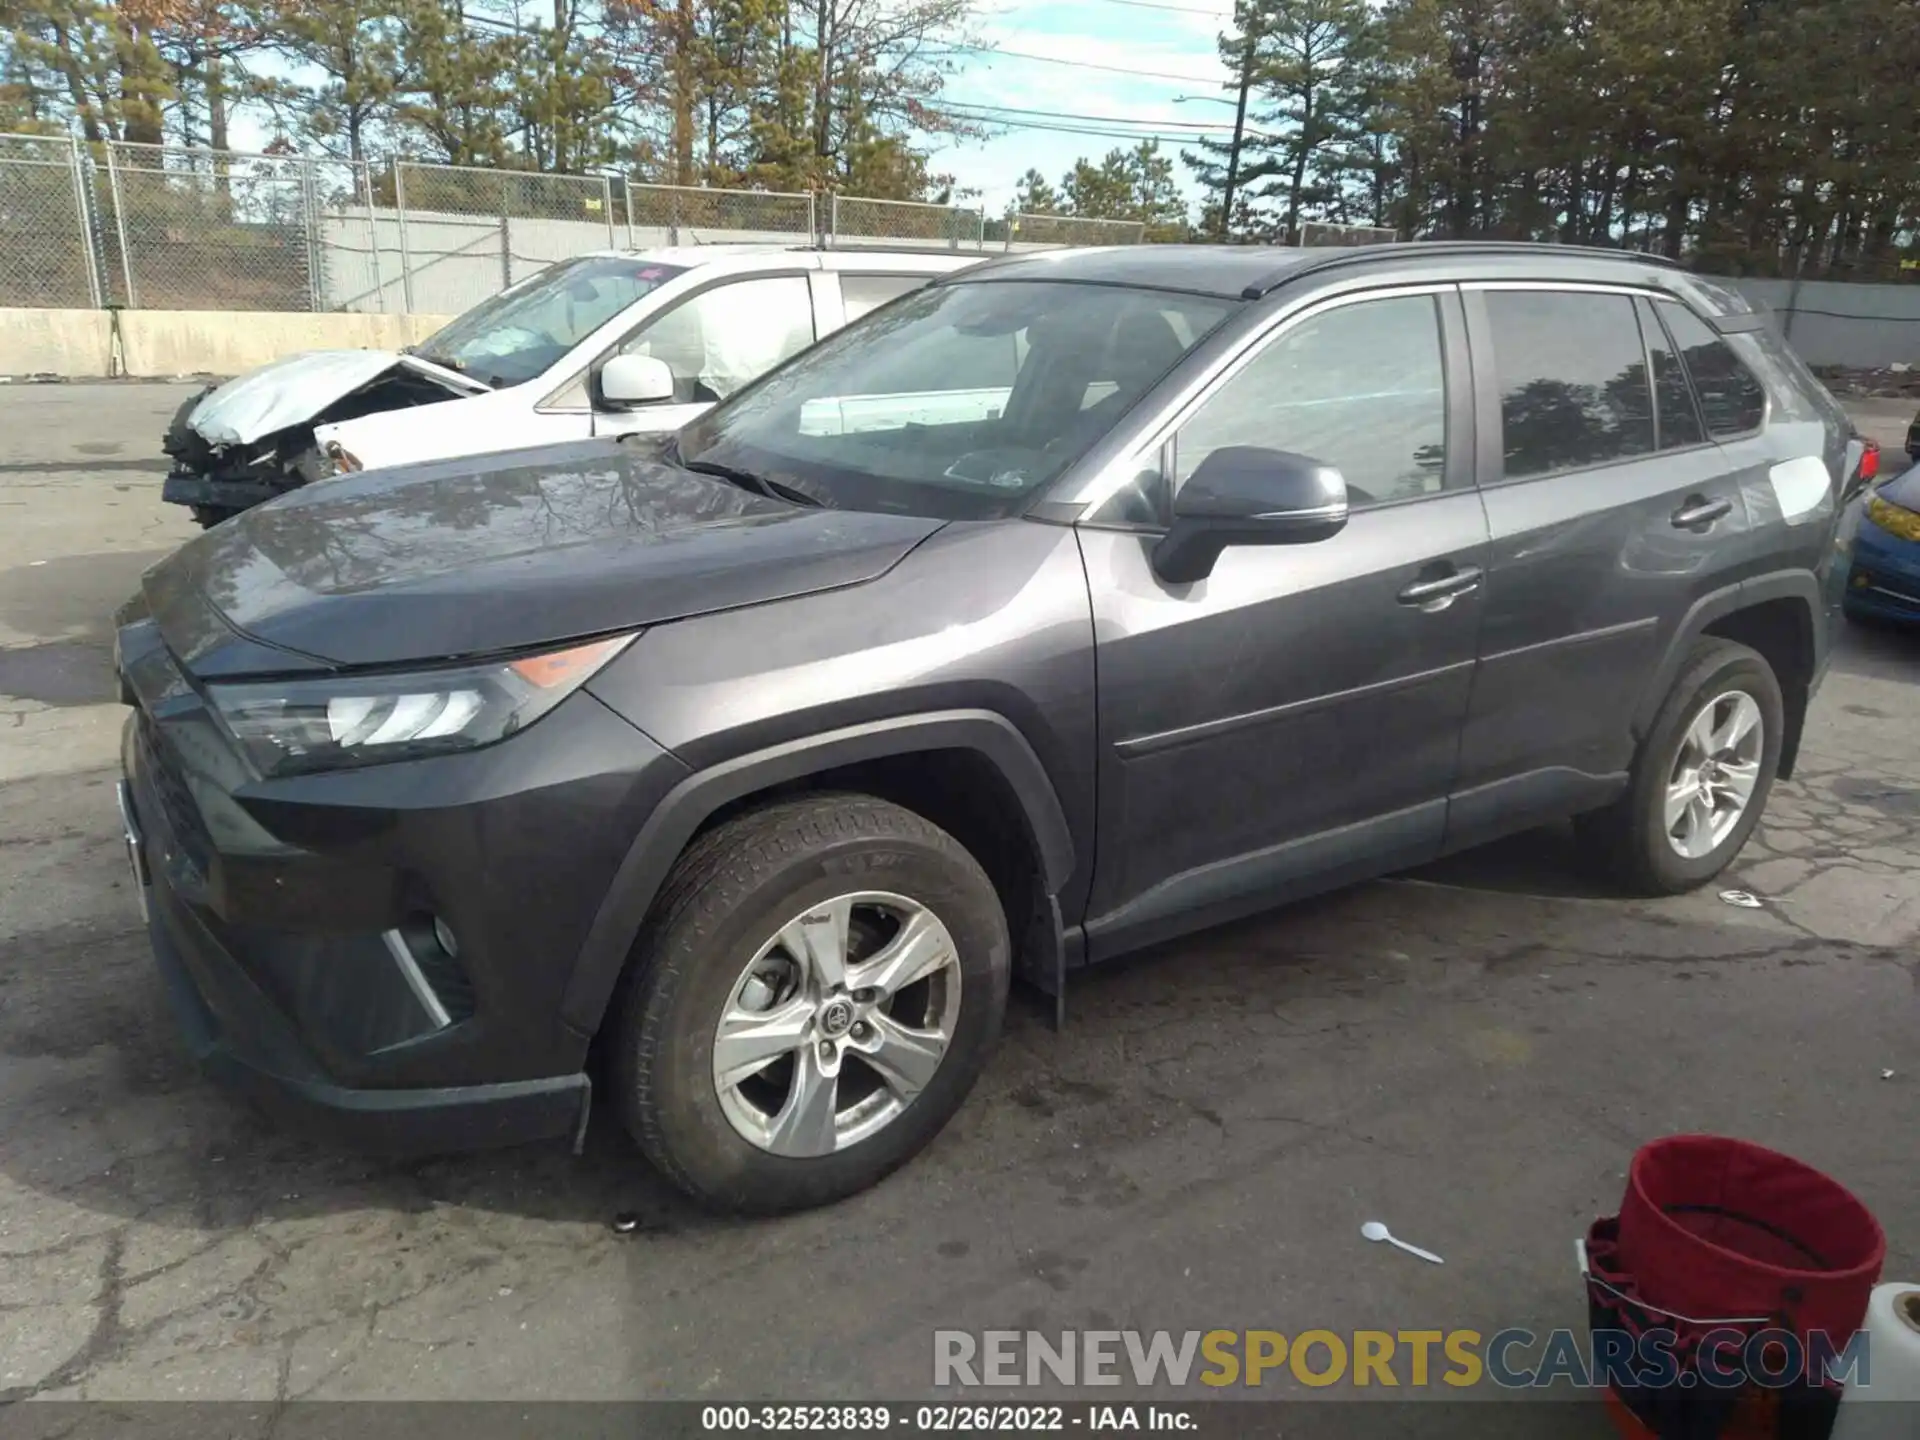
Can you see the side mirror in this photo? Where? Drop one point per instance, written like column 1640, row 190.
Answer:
column 1243, row 495
column 630, row 380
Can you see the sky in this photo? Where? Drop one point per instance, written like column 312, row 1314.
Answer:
column 1174, row 38
column 1072, row 58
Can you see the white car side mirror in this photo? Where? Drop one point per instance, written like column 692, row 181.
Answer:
column 635, row 380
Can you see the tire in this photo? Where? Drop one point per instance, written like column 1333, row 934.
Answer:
column 1630, row 838
column 728, row 899
column 208, row 516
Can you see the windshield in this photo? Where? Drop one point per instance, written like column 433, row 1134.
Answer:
column 960, row 401
column 524, row 331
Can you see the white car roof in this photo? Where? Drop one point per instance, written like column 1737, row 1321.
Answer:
column 691, row 256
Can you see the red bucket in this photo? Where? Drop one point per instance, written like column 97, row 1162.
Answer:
column 1712, row 1227
column 1719, row 1237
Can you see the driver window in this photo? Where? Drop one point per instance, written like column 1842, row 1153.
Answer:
column 722, row 338
column 1361, row 387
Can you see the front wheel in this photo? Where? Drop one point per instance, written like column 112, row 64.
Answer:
column 818, row 989
column 1701, row 778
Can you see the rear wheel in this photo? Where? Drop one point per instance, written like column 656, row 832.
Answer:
column 817, row 991
column 208, row 516
column 1702, row 777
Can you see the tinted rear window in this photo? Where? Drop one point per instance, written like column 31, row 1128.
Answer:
column 1732, row 400
column 1573, row 379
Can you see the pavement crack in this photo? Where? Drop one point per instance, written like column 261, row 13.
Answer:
column 106, row 1333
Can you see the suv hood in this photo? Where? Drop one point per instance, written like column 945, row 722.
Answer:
column 294, row 390
column 498, row 552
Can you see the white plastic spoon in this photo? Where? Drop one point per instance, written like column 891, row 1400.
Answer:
column 1374, row 1230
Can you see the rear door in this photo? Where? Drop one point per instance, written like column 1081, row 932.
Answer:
column 1611, row 510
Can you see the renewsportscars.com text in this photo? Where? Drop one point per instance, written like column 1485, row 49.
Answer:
column 1513, row 1359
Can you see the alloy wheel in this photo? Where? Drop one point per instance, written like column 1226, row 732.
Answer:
column 838, row 1022
column 1714, row 774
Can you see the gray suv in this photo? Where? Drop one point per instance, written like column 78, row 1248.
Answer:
column 1069, row 605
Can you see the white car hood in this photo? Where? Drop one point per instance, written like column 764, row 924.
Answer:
column 294, row 390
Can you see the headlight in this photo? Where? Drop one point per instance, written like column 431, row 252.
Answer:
column 287, row 727
column 1894, row 519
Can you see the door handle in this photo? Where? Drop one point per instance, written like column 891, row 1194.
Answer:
column 1442, row 590
column 1698, row 511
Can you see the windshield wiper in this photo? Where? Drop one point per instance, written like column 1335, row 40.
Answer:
column 745, row 479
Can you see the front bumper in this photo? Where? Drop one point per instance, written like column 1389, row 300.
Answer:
column 292, row 920
column 253, row 1052
column 183, row 487
column 1883, row 579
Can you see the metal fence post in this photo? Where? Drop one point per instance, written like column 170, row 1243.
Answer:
column 813, row 217
column 82, row 181
column 316, row 257
column 506, row 250
column 606, row 204
column 833, row 220
column 120, row 226
column 626, row 194
column 365, row 173
column 406, row 255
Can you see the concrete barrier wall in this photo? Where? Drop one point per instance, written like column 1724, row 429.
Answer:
column 54, row 342
column 79, row 344
column 1833, row 322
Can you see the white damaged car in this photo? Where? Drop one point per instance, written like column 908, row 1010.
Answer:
column 599, row 345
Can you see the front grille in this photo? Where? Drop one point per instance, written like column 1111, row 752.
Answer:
column 183, row 815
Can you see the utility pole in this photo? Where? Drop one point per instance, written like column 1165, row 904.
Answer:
column 1250, row 46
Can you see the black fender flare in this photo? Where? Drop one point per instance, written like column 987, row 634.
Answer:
column 1802, row 585
column 687, row 806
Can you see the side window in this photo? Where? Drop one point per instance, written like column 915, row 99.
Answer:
column 1796, row 393
column 722, row 338
column 1673, row 397
column 1361, row 387
column 1573, row 379
column 861, row 293
column 1731, row 398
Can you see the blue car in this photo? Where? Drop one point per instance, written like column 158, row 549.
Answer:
column 1884, row 580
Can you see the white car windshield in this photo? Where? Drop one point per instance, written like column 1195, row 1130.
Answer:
column 524, row 331
column 959, row 401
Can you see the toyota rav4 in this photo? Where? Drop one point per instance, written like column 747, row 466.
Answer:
column 1062, row 607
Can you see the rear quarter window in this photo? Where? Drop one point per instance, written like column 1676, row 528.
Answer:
column 1796, row 391
column 1732, row 400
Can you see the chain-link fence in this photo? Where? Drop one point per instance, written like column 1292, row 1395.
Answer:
column 466, row 232
column 170, row 227
column 190, row 229
column 46, row 229
column 910, row 223
column 689, row 215
column 1023, row 229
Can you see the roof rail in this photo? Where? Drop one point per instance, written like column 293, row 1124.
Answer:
column 1339, row 255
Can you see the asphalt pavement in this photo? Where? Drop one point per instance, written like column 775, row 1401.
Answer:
column 1470, row 1054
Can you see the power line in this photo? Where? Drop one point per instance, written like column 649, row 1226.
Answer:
column 1177, row 9
column 1118, row 120
column 1084, row 64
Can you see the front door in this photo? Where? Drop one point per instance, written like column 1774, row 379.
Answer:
column 1611, row 510
column 714, row 342
column 1293, row 720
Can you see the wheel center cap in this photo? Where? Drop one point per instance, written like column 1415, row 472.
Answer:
column 836, row 1018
